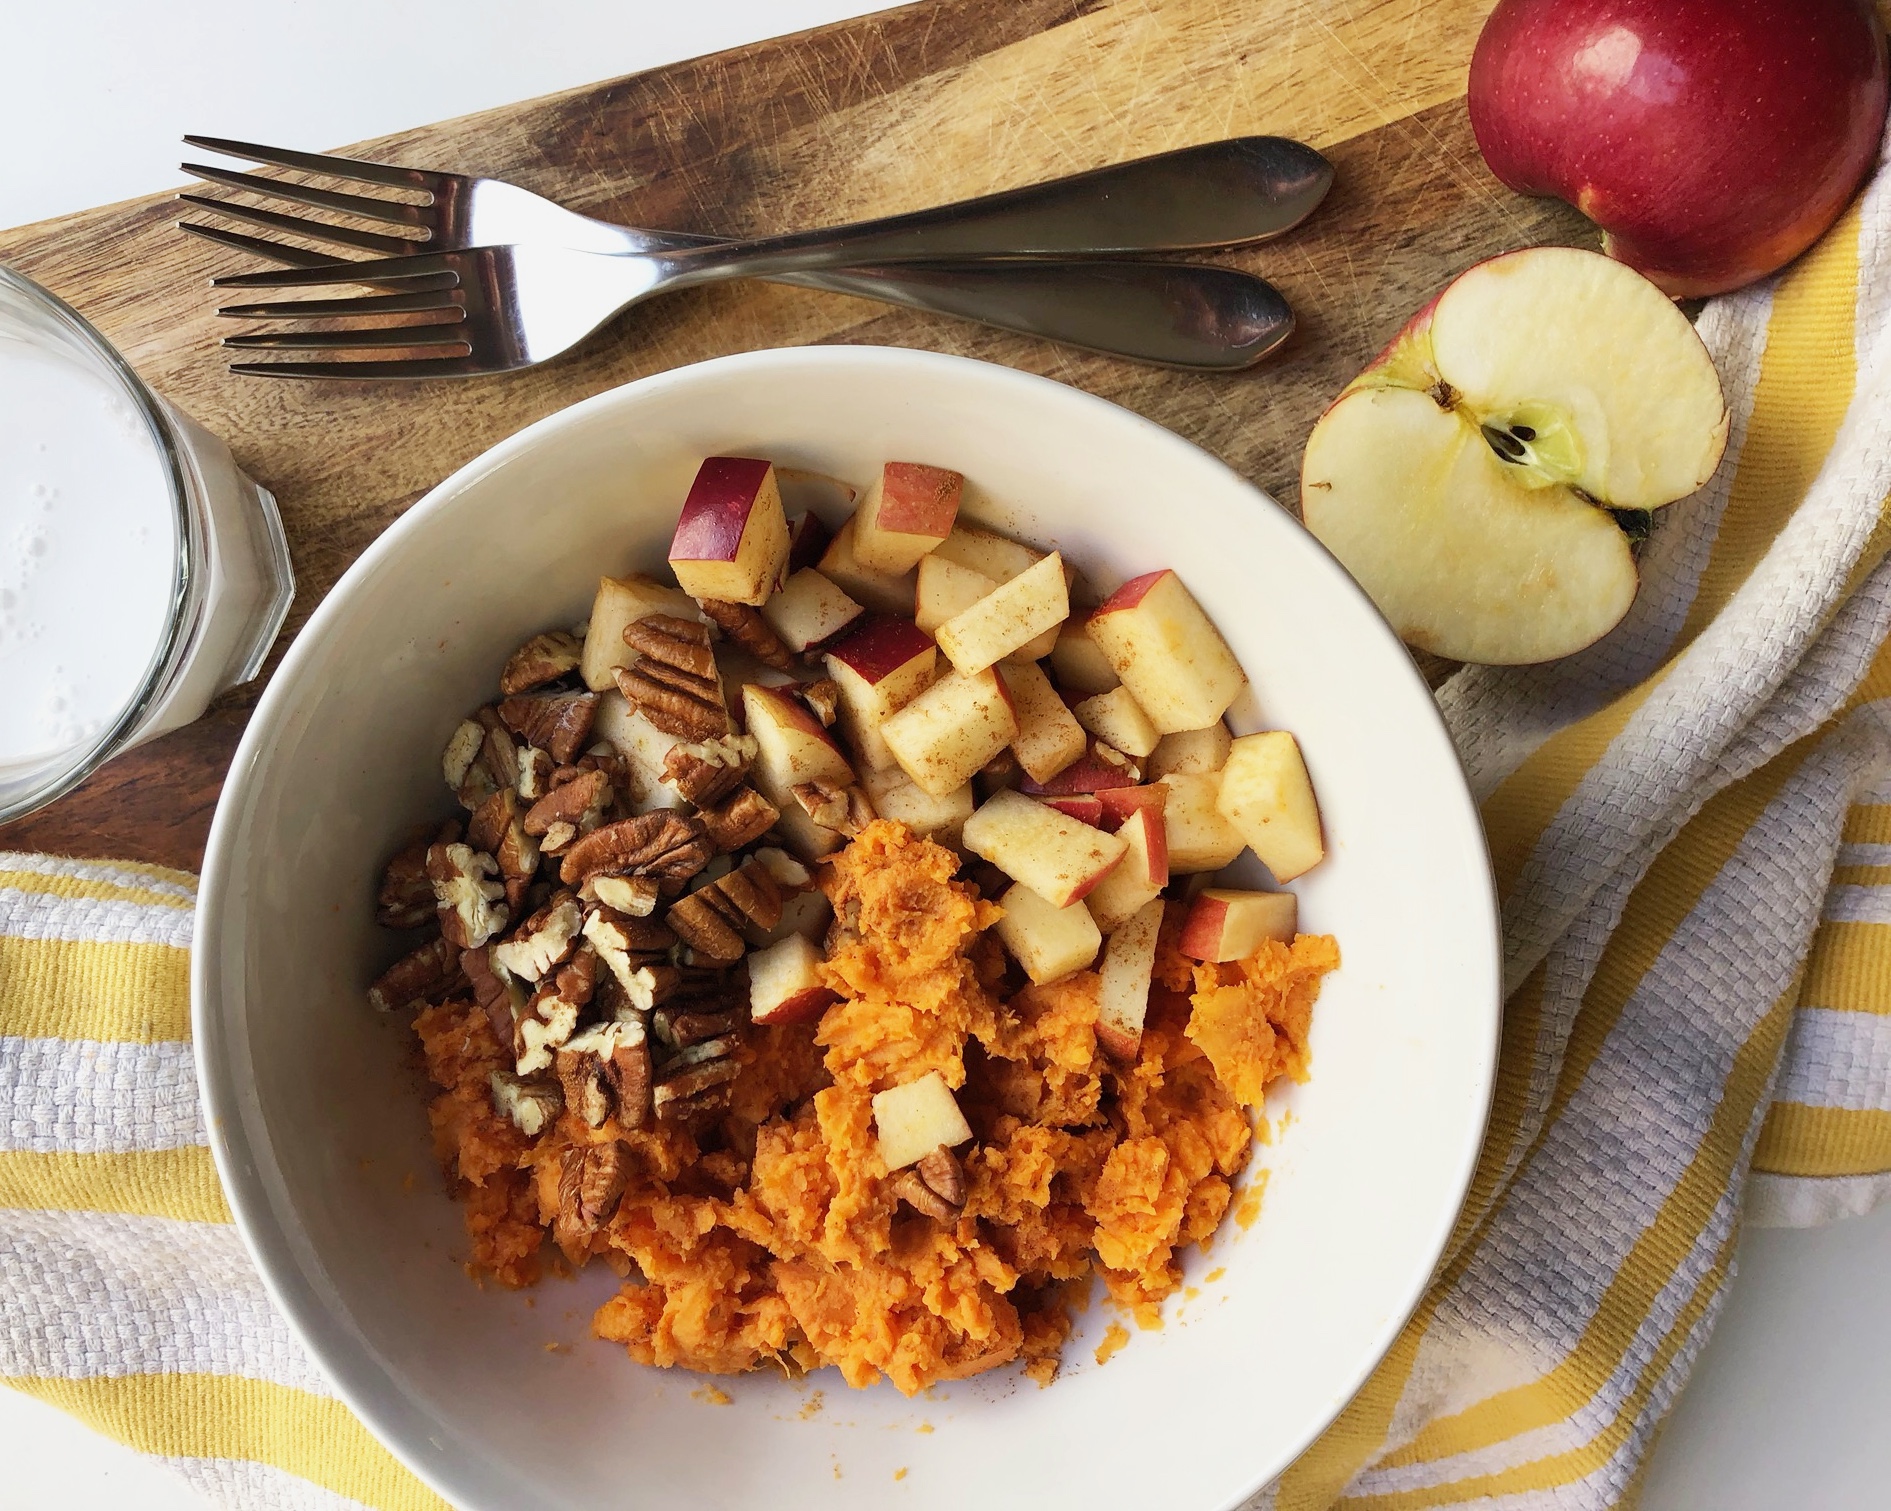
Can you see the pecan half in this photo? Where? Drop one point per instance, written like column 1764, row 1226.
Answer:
column 535, row 773
column 496, row 827
column 465, row 895
column 405, row 900
column 593, row 1065
column 429, row 974
column 707, row 770
column 823, row 700
column 674, row 682
column 637, row 953
column 579, row 802
column 721, row 919
column 529, row 1105
column 682, row 645
column 680, row 1027
column 558, row 722
column 502, row 998
column 591, row 1182
column 745, row 626
column 683, row 1081
column 934, row 1186
column 668, row 846
column 846, row 810
column 909, row 1188
column 741, row 818
column 551, row 1017
column 493, row 764
column 544, row 941
column 544, row 658
column 633, row 896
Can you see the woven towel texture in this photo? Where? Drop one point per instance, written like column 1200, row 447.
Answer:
column 1691, row 825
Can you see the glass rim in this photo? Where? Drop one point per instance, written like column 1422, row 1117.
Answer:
column 177, row 478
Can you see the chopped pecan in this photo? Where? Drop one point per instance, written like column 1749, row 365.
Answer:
column 430, row 974
column 551, row 1017
column 544, row 941
column 721, row 919
column 790, row 875
column 674, row 682
column 846, row 810
column 590, row 1071
column 466, row 897
column 462, row 749
column 528, row 1104
column 909, row 1188
column 665, row 845
column 579, row 802
column 707, row 770
column 628, row 1071
column 544, row 658
column 406, row 898
column 679, row 1027
column 679, row 644
column 558, row 722
column 676, row 1096
column 558, row 839
column 934, row 1186
column 495, row 765
column 823, row 700
column 741, row 818
column 745, row 626
column 1114, row 757
column 535, row 773
column 496, row 827
column 591, row 1182
column 637, row 953
column 502, row 998
column 633, row 896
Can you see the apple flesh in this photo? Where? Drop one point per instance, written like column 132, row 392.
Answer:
column 1713, row 143
column 1098, row 769
column 880, row 666
column 785, row 983
column 1457, row 478
column 1080, row 664
column 792, row 748
column 620, row 603
column 1139, row 876
column 1049, row 737
column 1048, row 941
column 1129, row 961
column 1267, row 798
column 809, row 609
column 949, row 731
column 1058, row 857
column 1225, row 924
column 1200, row 839
column 1190, row 750
column 999, row 558
column 1167, row 652
column 914, row 1119
column 907, row 512
column 898, row 797
column 1008, row 618
column 1114, row 718
column 945, row 589
column 731, row 540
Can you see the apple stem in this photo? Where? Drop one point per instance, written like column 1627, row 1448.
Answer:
column 1444, row 395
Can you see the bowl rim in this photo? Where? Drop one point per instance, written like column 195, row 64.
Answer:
column 359, row 1379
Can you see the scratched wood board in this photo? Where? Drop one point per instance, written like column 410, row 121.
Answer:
column 929, row 103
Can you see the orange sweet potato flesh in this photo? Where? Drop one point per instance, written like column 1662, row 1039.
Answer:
column 772, row 1240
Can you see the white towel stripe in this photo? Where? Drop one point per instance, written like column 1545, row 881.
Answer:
column 35, row 915
column 77, row 1096
column 97, row 871
column 1837, row 1059
column 243, row 1485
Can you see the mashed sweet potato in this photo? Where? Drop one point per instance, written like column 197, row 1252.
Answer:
column 773, row 1239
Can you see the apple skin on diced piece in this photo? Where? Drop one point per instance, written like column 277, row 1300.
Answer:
column 945, row 590
column 1060, row 858
column 909, row 510
column 785, row 983
column 1008, row 618
column 808, row 539
column 1085, row 807
column 953, row 728
column 620, row 603
column 1267, row 797
column 1190, row 750
column 897, row 796
column 792, row 748
column 731, row 539
column 1140, row 875
column 1079, row 662
column 1049, row 942
column 1129, row 962
column 1099, row 768
column 1168, row 652
column 1123, row 803
column 882, row 593
column 1114, row 718
column 1226, row 924
column 1200, row 839
column 880, row 666
column 809, row 609
column 912, row 1120
column 1049, row 736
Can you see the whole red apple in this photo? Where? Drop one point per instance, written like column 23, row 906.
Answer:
column 1712, row 140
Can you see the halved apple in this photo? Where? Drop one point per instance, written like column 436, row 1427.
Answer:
column 1267, row 797
column 620, row 603
column 1049, row 736
column 1129, row 961
column 1167, row 651
column 907, row 512
column 731, row 538
column 810, row 608
column 950, row 730
column 1458, row 477
column 1140, row 875
column 1115, row 718
column 1225, row 924
column 880, row 666
column 1008, row 618
column 1058, row 857
column 785, row 983
column 887, row 593
column 1048, row 941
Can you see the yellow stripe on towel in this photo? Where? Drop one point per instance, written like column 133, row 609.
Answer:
column 1824, row 1141
column 180, row 1183
column 80, row 989
column 92, row 889
column 228, row 1417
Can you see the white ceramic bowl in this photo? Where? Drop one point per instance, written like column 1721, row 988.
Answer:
column 316, row 1113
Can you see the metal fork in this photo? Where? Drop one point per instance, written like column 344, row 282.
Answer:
column 1221, row 193
column 508, row 307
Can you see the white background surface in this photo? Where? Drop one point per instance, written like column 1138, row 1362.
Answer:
column 1789, row 1405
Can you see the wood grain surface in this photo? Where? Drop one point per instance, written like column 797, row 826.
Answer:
column 891, row 112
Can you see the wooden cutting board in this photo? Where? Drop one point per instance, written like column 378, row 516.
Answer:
column 930, row 103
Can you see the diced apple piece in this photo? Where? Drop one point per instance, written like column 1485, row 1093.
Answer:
column 1049, row 942
column 792, row 747
column 897, row 796
column 806, row 913
column 731, row 539
column 808, row 538
column 997, row 556
column 1084, row 806
column 1114, row 718
column 909, row 510
column 1200, row 839
column 642, row 745
column 879, row 591
column 1168, row 652
column 880, row 666
column 1049, row 736
column 809, row 609
column 951, row 729
column 1099, row 768
column 1225, row 924
column 1121, row 803
column 1268, row 798
column 1079, row 662
column 620, row 603
column 785, row 983
column 1008, row 618
column 945, row 590
column 913, row 1120
column 1129, row 960
column 1140, row 875
column 1058, row 857
column 1190, row 750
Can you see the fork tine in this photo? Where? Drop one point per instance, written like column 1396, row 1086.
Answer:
column 315, row 230
column 442, row 333
column 316, row 162
column 440, row 268
column 372, row 304
column 300, row 257
column 418, row 367
column 365, row 205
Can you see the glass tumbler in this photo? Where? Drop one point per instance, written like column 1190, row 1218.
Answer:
column 141, row 573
